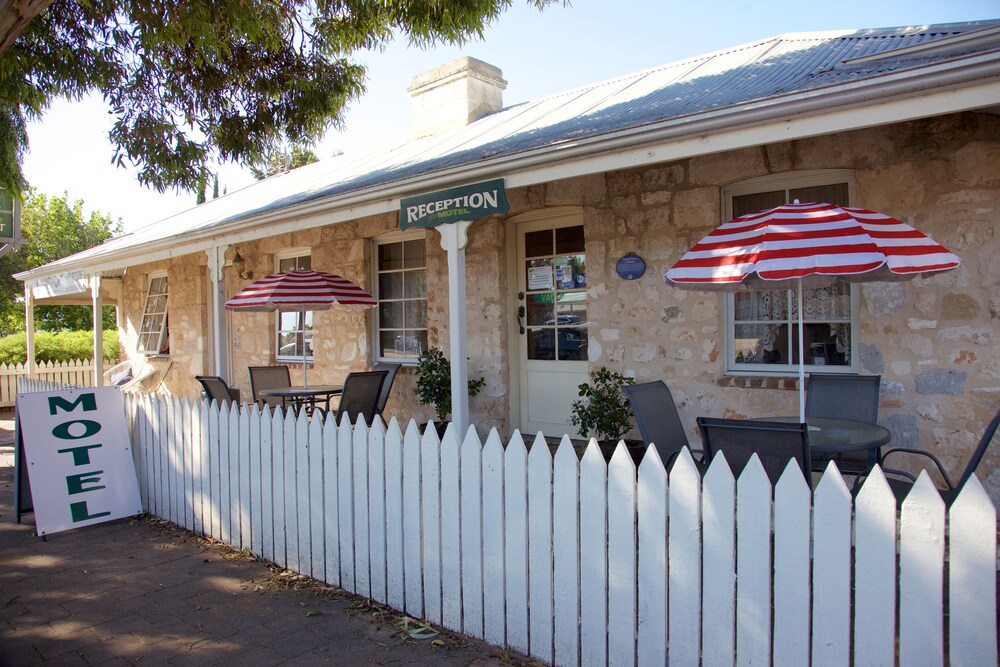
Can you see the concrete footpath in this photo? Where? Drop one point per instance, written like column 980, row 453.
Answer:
column 145, row 592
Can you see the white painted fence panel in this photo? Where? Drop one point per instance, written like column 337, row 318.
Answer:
column 79, row 373
column 540, row 549
column 651, row 535
column 211, row 470
column 593, row 557
column 565, row 552
column 451, row 535
column 621, row 557
column 430, row 501
column 875, row 572
column 753, row 565
column 515, row 472
column 472, row 534
column 921, row 562
column 791, row 569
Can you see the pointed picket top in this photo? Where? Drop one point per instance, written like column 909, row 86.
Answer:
column 973, row 499
column 831, row 484
column 565, row 451
column 753, row 476
column 792, row 485
column 718, row 472
column 412, row 431
column 876, row 493
column 539, row 452
column 493, row 446
column 922, row 498
column 376, row 429
column 450, row 433
column 429, row 438
column 621, row 458
column 393, row 429
column 651, row 463
column 472, row 441
column 592, row 455
column 515, row 447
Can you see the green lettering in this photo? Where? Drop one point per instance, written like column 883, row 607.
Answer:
column 75, row 483
column 90, row 427
column 79, row 512
column 81, row 456
column 89, row 402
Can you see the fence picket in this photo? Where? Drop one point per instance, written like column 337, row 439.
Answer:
column 921, row 562
column 593, row 557
column 430, row 497
column 791, row 568
column 317, row 542
column 651, row 536
column 875, row 572
column 494, row 622
column 972, row 578
column 566, row 552
column 412, row 557
column 753, row 565
column 515, row 509
column 472, row 534
column 362, row 574
column 395, row 590
column 683, row 562
column 718, row 602
column 540, row 550
column 376, row 511
column 622, row 550
column 331, row 500
column 451, row 534
column 596, row 542
column 345, row 502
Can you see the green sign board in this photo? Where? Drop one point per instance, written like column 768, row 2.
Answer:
column 468, row 202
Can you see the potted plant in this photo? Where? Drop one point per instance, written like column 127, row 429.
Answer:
column 434, row 385
column 605, row 409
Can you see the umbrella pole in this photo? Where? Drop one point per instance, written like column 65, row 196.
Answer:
column 305, row 382
column 802, row 361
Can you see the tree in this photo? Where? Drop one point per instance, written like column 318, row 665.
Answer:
column 280, row 161
column 52, row 228
column 203, row 82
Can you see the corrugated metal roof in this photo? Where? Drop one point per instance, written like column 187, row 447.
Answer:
column 749, row 73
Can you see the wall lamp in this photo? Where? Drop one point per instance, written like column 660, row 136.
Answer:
column 240, row 266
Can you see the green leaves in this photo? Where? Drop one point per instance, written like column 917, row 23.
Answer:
column 208, row 81
column 434, row 382
column 605, row 409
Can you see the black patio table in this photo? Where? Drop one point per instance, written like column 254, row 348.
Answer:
column 298, row 397
column 828, row 435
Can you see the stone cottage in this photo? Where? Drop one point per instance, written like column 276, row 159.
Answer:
column 629, row 173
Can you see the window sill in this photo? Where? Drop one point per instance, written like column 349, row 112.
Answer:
column 759, row 382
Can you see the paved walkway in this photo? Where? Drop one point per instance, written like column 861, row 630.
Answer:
column 145, row 592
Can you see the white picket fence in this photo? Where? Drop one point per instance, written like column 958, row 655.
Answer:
column 583, row 562
column 78, row 373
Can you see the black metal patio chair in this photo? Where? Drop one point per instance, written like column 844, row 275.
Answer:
column 658, row 421
column 845, row 397
column 217, row 390
column 361, row 395
column 391, row 370
column 268, row 377
column 902, row 481
column 775, row 443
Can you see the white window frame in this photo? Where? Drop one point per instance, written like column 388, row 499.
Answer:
column 387, row 239
column 164, row 329
column 306, row 340
column 788, row 181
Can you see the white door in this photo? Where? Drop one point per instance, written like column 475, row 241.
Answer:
column 552, row 322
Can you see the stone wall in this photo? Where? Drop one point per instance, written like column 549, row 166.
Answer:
column 933, row 340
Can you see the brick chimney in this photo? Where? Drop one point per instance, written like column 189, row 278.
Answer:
column 454, row 95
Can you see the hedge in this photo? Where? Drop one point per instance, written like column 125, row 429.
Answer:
column 57, row 346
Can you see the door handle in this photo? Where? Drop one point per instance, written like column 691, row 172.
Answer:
column 520, row 319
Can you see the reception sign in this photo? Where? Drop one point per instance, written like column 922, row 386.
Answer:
column 468, row 202
column 75, row 446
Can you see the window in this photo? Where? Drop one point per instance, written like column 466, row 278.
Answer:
column 762, row 324
column 154, row 332
column 401, row 280
column 294, row 328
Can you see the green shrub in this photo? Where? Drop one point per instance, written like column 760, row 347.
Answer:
column 605, row 409
column 57, row 346
column 434, row 382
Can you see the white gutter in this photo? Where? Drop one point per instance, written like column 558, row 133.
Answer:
column 966, row 84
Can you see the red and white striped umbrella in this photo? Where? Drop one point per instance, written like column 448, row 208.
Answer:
column 300, row 290
column 796, row 241
column 788, row 245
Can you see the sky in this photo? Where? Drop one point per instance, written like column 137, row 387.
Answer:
column 540, row 53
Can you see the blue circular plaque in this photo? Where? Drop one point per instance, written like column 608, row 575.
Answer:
column 630, row 267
